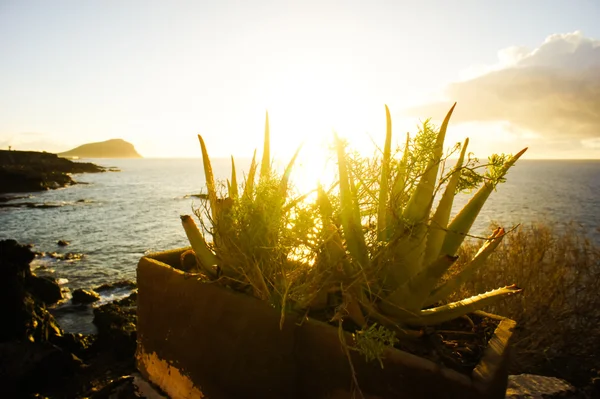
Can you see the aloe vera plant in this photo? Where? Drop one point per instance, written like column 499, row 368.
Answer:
column 389, row 274
column 247, row 230
column 414, row 246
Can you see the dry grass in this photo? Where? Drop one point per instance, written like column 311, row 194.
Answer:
column 558, row 312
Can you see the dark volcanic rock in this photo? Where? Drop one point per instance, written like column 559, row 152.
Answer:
column 15, row 259
column 22, row 316
column 37, row 359
column 46, row 289
column 85, row 296
column 116, row 323
column 78, row 344
column 30, row 367
column 22, row 171
column 524, row 386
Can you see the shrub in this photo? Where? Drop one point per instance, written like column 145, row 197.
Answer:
column 558, row 311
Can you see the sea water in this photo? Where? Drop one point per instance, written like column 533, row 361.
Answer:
column 117, row 217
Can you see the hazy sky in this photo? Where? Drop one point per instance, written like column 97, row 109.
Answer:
column 156, row 73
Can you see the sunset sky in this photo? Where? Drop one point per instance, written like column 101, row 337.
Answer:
column 157, row 73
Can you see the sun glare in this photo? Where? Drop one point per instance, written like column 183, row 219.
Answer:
column 307, row 113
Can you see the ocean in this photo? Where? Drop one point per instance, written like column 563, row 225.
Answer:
column 117, row 217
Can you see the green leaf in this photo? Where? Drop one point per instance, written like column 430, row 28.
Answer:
column 382, row 213
column 204, row 255
column 400, row 182
column 461, row 224
column 440, row 314
column 350, row 212
column 419, row 204
column 210, row 180
column 439, row 221
column 283, row 186
column 265, row 167
column 233, row 192
column 249, row 187
column 412, row 295
column 450, row 286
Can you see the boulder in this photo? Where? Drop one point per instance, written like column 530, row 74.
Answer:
column 29, row 367
column 22, row 315
column 532, row 386
column 116, row 323
column 46, row 289
column 14, row 260
column 85, row 296
column 62, row 243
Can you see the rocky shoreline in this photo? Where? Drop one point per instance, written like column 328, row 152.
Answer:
column 39, row 359
column 25, row 171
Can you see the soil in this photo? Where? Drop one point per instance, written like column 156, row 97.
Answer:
column 458, row 344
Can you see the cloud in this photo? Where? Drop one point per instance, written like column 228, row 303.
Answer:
column 552, row 91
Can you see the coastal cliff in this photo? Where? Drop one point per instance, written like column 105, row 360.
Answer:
column 115, row 148
column 23, row 171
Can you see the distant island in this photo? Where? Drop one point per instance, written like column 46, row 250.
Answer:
column 23, row 171
column 114, row 148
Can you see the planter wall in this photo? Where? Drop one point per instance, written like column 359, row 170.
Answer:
column 198, row 339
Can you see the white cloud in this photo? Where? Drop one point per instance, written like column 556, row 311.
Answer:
column 552, row 91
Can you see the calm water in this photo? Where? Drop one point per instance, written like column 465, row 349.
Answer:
column 126, row 214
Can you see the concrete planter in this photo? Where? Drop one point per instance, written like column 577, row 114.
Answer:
column 200, row 339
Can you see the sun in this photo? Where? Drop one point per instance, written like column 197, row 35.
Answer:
column 307, row 114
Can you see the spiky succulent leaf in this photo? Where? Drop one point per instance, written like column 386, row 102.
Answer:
column 206, row 258
column 410, row 247
column 210, row 179
column 439, row 221
column 420, row 201
column 450, row 286
column 382, row 212
column 265, row 167
column 233, row 191
column 249, row 188
column 283, row 186
column 350, row 212
column 412, row 295
column 461, row 224
column 400, row 181
column 440, row 314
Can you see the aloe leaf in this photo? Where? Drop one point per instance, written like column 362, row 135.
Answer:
column 413, row 232
column 265, row 167
column 421, row 200
column 433, row 316
column 233, row 191
column 325, row 207
column 461, row 224
column 412, row 294
column 210, row 179
column 439, row 221
column 350, row 213
column 249, row 188
column 400, row 181
column 206, row 258
column 382, row 232
column 283, row 186
column 450, row 286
